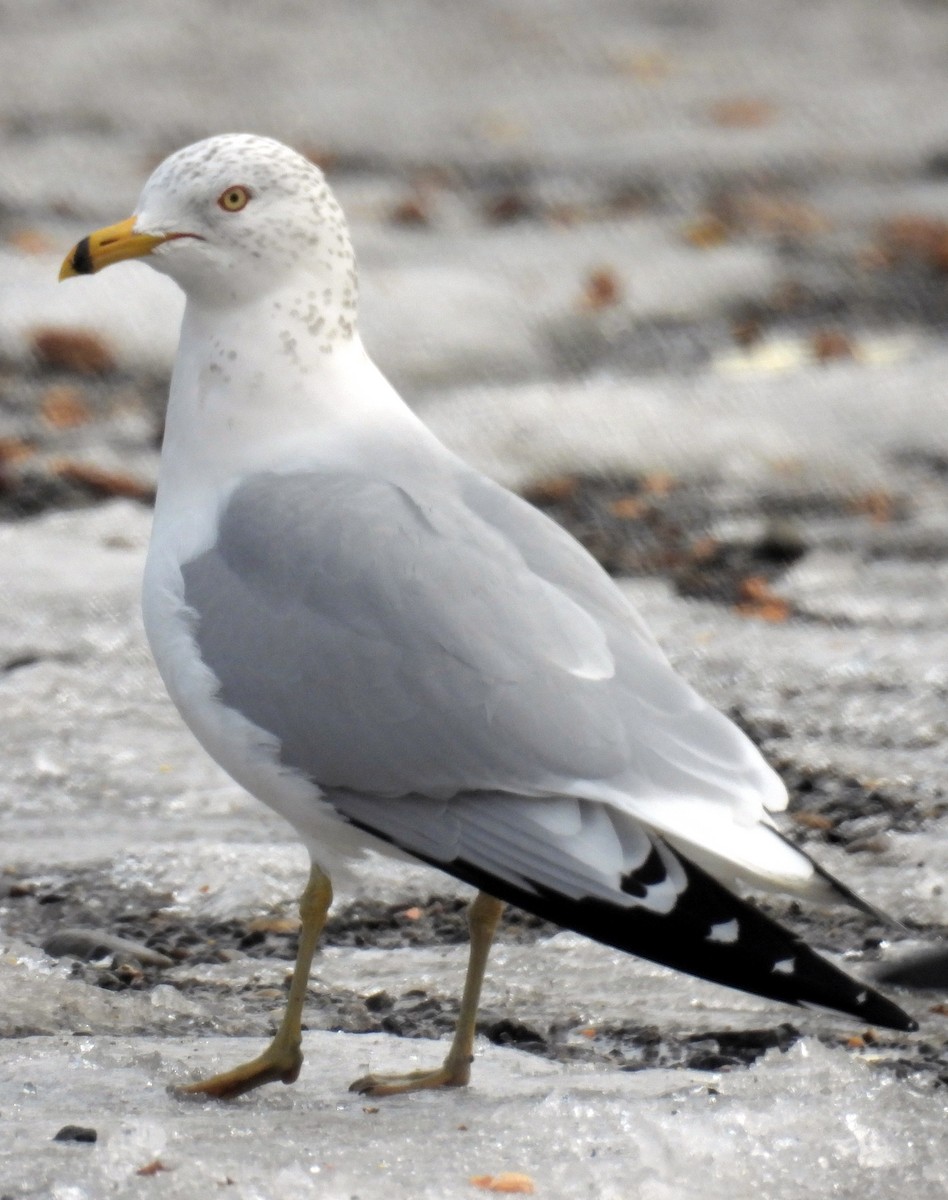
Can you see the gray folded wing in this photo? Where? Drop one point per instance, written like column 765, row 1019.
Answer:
column 437, row 636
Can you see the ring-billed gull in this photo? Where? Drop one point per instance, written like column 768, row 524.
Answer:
column 393, row 651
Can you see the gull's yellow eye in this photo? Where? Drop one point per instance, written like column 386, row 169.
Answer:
column 233, row 199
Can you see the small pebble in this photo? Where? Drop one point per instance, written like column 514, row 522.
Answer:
column 926, row 969
column 76, row 1133
column 89, row 945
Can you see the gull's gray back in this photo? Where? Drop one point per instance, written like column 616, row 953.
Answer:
column 435, row 635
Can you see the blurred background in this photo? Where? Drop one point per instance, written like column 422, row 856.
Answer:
column 538, row 189
column 697, row 246
column 677, row 270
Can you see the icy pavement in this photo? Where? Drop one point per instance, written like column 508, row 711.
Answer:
column 700, row 246
column 91, row 739
column 798, row 1125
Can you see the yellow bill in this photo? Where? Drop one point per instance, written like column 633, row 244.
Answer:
column 115, row 243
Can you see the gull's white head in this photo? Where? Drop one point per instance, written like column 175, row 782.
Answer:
column 233, row 218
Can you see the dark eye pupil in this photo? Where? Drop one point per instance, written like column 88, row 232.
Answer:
column 234, row 198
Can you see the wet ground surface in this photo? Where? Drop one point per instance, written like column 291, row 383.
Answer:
column 725, row 547
column 837, row 279
column 72, row 916
column 710, row 540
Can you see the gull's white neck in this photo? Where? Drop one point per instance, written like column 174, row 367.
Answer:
column 249, row 382
column 258, row 387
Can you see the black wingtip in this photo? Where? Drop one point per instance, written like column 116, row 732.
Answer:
column 715, row 935
column 877, row 1009
column 706, row 931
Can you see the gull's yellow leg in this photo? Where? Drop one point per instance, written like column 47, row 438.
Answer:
column 283, row 1058
column 455, row 1071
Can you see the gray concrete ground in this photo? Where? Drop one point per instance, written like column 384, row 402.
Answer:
column 697, row 245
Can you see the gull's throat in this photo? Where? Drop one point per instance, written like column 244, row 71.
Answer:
column 254, row 389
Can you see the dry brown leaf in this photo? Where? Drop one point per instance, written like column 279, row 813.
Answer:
column 775, row 612
column 602, row 289
column 828, row 345
column 105, row 483
column 754, row 588
column 707, row 232
column 510, row 1182
column 925, row 236
column 413, row 211
column 659, row 483
column 746, row 332
column 554, row 490
column 812, row 820
column 14, row 450
column 509, row 206
column 911, row 236
column 758, row 599
column 940, row 1010
column 703, row 549
column 879, row 506
column 76, row 350
column 627, row 508
column 742, row 112
column 152, row 1168
column 64, row 408
column 274, row 925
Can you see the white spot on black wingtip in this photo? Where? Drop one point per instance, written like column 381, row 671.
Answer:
column 661, row 897
column 784, row 966
column 726, row 932
column 862, row 997
column 652, row 884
